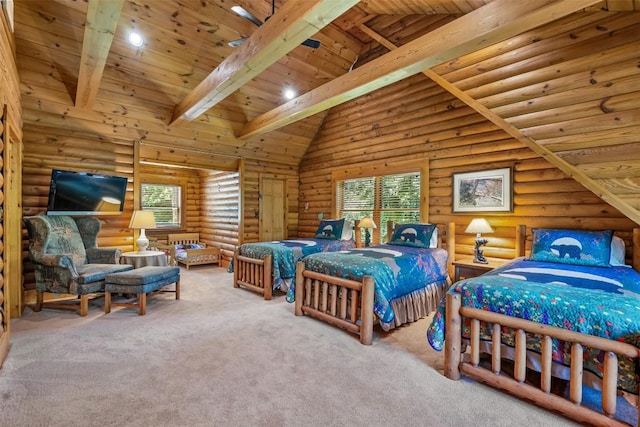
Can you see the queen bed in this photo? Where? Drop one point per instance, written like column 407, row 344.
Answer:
column 265, row 267
column 395, row 283
column 569, row 311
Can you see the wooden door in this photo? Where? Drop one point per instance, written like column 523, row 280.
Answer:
column 272, row 209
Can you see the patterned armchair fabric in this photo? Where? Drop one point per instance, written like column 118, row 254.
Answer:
column 66, row 258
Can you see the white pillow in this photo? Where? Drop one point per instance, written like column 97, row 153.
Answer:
column 347, row 230
column 617, row 252
column 433, row 243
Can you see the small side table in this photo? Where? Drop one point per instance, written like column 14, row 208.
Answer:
column 465, row 268
column 144, row 259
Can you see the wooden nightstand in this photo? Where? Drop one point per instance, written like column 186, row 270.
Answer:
column 465, row 268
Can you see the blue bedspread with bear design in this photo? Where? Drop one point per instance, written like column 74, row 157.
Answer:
column 397, row 270
column 286, row 253
column 600, row 301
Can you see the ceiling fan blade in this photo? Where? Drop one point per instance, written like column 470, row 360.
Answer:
column 238, row 42
column 313, row 43
column 246, row 15
column 240, row 11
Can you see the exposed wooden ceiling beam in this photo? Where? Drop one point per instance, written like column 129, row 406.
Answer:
column 492, row 23
column 571, row 170
column 100, row 26
column 285, row 30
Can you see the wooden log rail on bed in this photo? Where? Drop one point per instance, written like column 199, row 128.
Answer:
column 254, row 274
column 455, row 363
column 257, row 274
column 347, row 304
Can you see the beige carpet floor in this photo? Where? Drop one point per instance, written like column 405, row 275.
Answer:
column 225, row 357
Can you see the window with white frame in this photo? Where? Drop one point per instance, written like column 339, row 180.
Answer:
column 384, row 198
column 165, row 201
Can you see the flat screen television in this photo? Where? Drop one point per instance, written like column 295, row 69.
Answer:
column 84, row 193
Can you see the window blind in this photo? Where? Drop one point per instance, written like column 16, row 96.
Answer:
column 384, row 198
column 164, row 200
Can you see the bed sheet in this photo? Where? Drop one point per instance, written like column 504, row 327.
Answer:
column 397, row 270
column 600, row 301
column 286, row 253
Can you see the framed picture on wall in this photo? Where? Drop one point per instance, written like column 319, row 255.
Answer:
column 483, row 191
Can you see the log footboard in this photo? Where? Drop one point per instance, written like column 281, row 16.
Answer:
column 347, row 304
column 253, row 274
column 495, row 377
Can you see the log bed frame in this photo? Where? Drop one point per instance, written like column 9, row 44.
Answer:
column 253, row 274
column 347, row 304
column 456, row 364
column 257, row 274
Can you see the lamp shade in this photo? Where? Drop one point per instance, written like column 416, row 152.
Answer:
column 479, row 225
column 367, row 222
column 142, row 219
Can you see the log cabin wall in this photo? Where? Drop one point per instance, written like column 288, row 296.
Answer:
column 253, row 171
column 567, row 90
column 516, row 79
column 73, row 148
column 189, row 182
column 416, row 118
column 220, row 211
column 10, row 152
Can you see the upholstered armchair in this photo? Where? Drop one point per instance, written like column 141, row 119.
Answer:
column 67, row 260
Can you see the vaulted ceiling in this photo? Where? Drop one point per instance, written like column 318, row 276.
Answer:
column 186, row 87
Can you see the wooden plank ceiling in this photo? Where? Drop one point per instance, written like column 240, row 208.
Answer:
column 186, row 87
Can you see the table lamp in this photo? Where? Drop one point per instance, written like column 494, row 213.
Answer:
column 141, row 220
column 367, row 223
column 479, row 226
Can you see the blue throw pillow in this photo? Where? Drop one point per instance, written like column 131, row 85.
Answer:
column 330, row 229
column 415, row 235
column 572, row 246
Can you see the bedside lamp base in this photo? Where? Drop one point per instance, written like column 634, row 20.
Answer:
column 478, row 256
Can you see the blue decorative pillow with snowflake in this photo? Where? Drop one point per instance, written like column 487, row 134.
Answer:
column 572, row 246
column 415, row 235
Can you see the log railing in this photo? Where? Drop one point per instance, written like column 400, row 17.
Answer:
column 454, row 363
column 347, row 304
column 253, row 274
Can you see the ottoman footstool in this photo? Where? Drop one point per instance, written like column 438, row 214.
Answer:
column 140, row 281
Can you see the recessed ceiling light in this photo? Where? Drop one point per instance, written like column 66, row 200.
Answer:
column 136, row 39
column 289, row 93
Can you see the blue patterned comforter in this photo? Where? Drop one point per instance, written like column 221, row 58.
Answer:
column 397, row 270
column 286, row 253
column 598, row 301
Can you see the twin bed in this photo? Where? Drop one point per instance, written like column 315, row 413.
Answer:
column 350, row 287
column 394, row 283
column 569, row 311
column 265, row 267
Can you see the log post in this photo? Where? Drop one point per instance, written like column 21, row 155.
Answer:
column 453, row 337
column 366, row 310
column 267, row 279
column 236, row 268
column 299, row 290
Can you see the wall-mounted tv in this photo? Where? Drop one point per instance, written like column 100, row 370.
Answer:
column 84, row 193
